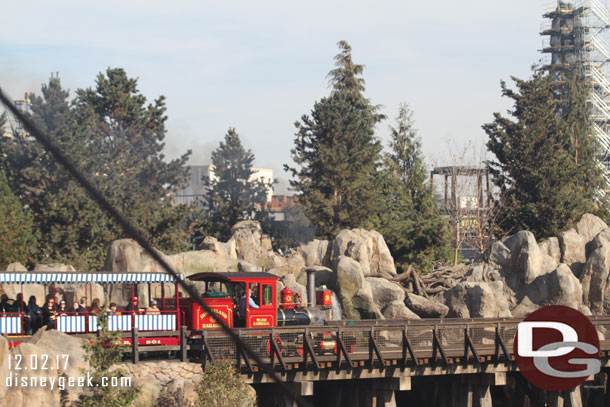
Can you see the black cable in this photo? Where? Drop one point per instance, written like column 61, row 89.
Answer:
column 133, row 232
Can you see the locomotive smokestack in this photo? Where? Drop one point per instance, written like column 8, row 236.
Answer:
column 311, row 287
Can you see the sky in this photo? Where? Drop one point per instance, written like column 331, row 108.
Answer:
column 259, row 66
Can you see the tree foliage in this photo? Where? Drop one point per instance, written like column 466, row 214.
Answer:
column 232, row 193
column 544, row 163
column 115, row 138
column 17, row 237
column 220, row 386
column 410, row 221
column 102, row 351
column 337, row 154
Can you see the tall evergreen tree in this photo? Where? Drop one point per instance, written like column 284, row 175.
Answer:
column 337, row 154
column 544, row 157
column 116, row 140
column 409, row 220
column 232, row 194
column 17, row 237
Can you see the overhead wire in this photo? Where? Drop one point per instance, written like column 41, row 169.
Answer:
column 136, row 235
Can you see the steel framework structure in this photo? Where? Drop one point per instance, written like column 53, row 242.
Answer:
column 574, row 38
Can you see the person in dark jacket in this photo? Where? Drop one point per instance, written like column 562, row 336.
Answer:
column 133, row 305
column 19, row 305
column 5, row 306
column 49, row 313
column 33, row 316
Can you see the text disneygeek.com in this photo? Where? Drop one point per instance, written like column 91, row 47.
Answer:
column 37, row 364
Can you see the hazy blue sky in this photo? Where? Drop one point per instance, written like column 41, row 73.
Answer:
column 259, row 65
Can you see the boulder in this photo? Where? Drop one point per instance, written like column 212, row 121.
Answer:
column 355, row 292
column 527, row 260
column 16, row 267
column 368, row 248
column 53, row 267
column 551, row 248
column 499, row 255
column 250, row 243
column 573, row 251
column 52, row 345
column 285, row 269
column 220, row 248
column 324, row 276
column 4, row 371
column 126, row 255
column 559, row 287
column 201, row 261
column 398, row 310
column 470, row 300
column 424, row 307
column 594, row 280
column 385, row 292
column 316, row 253
column 590, row 226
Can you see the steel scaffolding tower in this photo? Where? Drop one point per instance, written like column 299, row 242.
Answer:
column 574, row 38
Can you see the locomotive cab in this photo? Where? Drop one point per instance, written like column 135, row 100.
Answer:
column 244, row 299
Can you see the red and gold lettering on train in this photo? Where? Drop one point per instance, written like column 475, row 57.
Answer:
column 261, row 321
column 224, row 311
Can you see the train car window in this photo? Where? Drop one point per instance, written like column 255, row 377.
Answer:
column 267, row 294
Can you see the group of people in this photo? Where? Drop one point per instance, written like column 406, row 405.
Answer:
column 36, row 317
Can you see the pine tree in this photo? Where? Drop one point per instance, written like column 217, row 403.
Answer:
column 17, row 237
column 232, row 194
column 410, row 222
column 116, row 140
column 337, row 154
column 544, row 162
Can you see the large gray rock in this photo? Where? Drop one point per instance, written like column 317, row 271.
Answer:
column 53, row 267
column 469, row 300
column 398, row 310
column 250, row 243
column 589, row 226
column 16, row 267
column 559, row 287
column 323, row 276
column 368, row 248
column 499, row 255
column 4, row 371
column 355, row 292
column 551, row 248
column 54, row 345
column 424, row 307
column 385, row 292
column 527, row 260
column 594, row 280
column 126, row 255
column 220, row 248
column 316, row 253
column 201, row 261
column 573, row 250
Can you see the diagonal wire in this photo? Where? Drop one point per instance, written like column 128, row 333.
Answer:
column 135, row 234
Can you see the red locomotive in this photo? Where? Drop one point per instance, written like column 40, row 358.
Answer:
column 241, row 300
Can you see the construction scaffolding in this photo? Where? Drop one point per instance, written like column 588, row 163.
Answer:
column 574, row 38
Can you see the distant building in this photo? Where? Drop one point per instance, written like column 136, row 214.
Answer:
column 195, row 188
column 278, row 206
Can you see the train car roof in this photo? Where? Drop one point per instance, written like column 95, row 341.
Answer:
column 51, row 277
column 228, row 276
